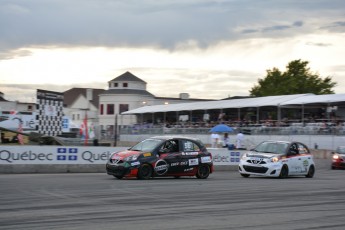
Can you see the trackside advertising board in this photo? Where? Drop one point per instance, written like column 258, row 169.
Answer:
column 11, row 155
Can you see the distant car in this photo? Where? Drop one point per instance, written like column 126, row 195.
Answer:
column 338, row 158
column 278, row 159
column 162, row 156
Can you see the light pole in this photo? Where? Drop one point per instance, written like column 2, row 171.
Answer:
column 115, row 131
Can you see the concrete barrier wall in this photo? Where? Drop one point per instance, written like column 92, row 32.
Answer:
column 76, row 159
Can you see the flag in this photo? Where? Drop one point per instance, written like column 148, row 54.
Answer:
column 20, row 136
column 91, row 131
column 84, row 130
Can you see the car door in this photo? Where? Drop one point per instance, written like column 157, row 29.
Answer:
column 190, row 154
column 305, row 156
column 170, row 155
column 294, row 159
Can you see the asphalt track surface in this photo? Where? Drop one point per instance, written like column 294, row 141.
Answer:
column 223, row 201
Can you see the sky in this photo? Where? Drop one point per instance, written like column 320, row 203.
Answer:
column 211, row 49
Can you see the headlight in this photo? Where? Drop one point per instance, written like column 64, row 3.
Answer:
column 131, row 158
column 275, row 159
column 337, row 157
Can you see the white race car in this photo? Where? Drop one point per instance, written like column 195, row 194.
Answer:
column 278, row 159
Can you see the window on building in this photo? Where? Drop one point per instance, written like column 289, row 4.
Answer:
column 125, row 85
column 101, row 107
column 123, row 108
column 116, row 84
column 110, row 109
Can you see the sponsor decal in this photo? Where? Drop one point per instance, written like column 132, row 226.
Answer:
column 175, row 164
column 305, row 162
column 10, row 157
column 235, row 154
column 206, row 159
column 221, row 158
column 186, row 170
column 147, row 154
column 94, row 157
column 190, row 153
column 193, row 162
column 135, row 163
column 161, row 167
column 183, row 163
column 69, row 154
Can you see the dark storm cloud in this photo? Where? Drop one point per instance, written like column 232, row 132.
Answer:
column 148, row 22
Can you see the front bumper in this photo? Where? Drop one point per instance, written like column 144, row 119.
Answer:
column 338, row 164
column 269, row 170
column 117, row 170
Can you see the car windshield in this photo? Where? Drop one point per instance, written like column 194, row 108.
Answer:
column 271, row 147
column 341, row 150
column 147, row 145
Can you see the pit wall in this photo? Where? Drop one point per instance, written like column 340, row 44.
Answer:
column 76, row 159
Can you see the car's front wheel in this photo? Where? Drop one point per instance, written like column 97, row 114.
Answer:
column 284, row 172
column 311, row 172
column 203, row 172
column 145, row 172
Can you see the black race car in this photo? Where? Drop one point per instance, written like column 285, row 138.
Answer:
column 159, row 156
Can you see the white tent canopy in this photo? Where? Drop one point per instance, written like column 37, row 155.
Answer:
column 316, row 99
column 225, row 104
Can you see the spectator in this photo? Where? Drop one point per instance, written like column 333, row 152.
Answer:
column 226, row 140
column 239, row 140
column 214, row 140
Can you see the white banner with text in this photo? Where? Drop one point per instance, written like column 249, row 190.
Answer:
column 86, row 155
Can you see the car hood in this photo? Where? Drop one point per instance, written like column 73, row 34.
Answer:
column 125, row 153
column 262, row 155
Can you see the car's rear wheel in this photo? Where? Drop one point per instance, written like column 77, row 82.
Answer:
column 244, row 175
column 284, row 172
column 311, row 172
column 203, row 172
column 145, row 172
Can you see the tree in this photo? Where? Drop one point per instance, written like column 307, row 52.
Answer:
column 297, row 79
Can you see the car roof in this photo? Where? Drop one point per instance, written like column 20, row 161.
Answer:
column 288, row 142
column 174, row 137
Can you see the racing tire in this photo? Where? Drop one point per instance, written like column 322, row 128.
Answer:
column 145, row 172
column 311, row 172
column 118, row 177
column 244, row 175
column 203, row 172
column 284, row 172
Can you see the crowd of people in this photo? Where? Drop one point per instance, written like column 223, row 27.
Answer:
column 223, row 140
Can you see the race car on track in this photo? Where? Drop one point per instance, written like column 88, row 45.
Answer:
column 160, row 156
column 278, row 159
column 338, row 158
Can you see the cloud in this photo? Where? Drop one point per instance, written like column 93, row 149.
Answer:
column 149, row 23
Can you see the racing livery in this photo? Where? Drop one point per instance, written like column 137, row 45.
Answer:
column 162, row 156
column 278, row 159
